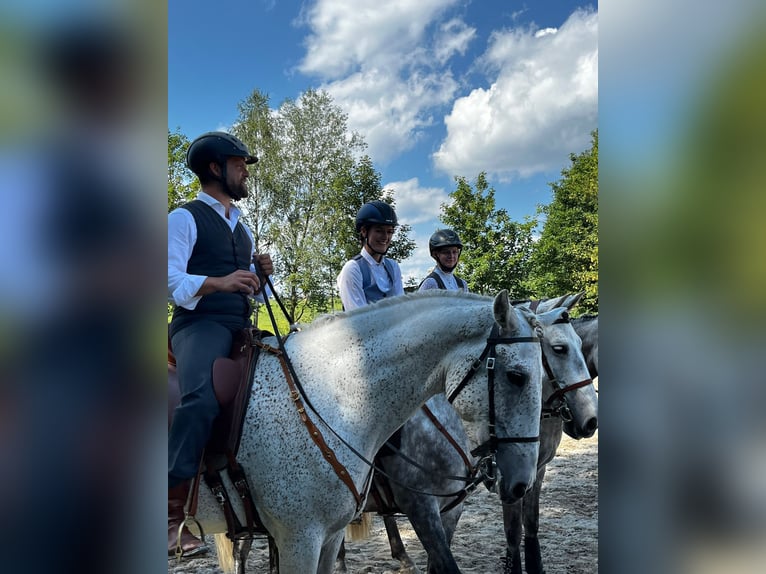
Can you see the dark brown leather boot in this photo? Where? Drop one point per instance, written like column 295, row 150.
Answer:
column 190, row 545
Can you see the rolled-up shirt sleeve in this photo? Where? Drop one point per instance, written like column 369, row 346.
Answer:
column 182, row 235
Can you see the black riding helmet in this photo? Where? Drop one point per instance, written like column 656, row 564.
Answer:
column 444, row 238
column 375, row 213
column 215, row 146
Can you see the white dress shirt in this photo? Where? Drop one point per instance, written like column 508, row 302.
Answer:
column 350, row 281
column 182, row 236
column 450, row 283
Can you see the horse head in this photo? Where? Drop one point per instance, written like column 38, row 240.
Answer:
column 568, row 390
column 503, row 415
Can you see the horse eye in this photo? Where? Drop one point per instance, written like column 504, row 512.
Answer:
column 516, row 378
column 559, row 349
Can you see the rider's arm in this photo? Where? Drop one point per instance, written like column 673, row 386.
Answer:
column 428, row 283
column 350, row 286
column 184, row 290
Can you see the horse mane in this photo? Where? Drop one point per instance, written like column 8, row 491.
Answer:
column 586, row 317
column 388, row 302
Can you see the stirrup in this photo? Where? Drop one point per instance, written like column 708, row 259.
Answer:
column 179, row 549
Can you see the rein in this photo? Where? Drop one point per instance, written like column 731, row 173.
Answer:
column 562, row 411
column 489, row 352
column 299, row 397
column 484, row 452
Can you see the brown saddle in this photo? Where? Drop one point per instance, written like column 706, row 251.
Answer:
column 232, row 383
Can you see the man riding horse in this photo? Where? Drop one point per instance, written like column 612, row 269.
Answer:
column 210, row 277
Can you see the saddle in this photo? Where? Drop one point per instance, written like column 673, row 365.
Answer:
column 232, row 383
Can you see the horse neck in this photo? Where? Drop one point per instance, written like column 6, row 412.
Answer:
column 395, row 355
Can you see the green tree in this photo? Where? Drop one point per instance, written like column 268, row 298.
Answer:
column 496, row 253
column 565, row 258
column 182, row 183
column 354, row 187
column 255, row 126
column 305, row 190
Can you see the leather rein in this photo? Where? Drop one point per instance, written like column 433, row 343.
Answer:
column 562, row 410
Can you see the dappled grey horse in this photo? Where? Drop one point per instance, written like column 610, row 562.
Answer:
column 428, row 461
column 362, row 374
column 567, row 407
column 586, row 326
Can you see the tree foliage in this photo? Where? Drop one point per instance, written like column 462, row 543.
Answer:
column 182, row 183
column 305, row 191
column 496, row 253
column 566, row 256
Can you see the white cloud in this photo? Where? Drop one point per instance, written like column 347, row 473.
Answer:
column 384, row 64
column 350, row 33
column 541, row 106
column 390, row 112
column 416, row 204
column 454, row 37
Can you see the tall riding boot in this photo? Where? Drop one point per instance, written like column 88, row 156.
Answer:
column 190, row 545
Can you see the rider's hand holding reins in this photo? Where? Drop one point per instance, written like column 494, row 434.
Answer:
column 240, row 280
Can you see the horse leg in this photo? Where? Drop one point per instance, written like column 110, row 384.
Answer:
column 532, row 557
column 241, row 549
column 397, row 547
column 330, row 552
column 299, row 552
column 427, row 523
column 449, row 525
column 340, row 561
column 512, row 526
column 273, row 557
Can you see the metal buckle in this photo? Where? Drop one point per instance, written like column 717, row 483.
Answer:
column 490, row 363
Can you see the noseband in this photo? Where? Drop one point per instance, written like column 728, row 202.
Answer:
column 489, row 448
column 562, row 411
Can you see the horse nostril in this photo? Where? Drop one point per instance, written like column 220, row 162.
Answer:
column 519, row 490
column 592, row 425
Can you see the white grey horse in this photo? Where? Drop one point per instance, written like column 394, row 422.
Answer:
column 431, row 464
column 568, row 408
column 586, row 327
column 363, row 374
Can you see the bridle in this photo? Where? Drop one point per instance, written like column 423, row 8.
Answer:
column 489, row 353
column 484, row 470
column 558, row 396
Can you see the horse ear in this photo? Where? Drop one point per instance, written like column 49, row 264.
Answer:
column 573, row 300
column 503, row 315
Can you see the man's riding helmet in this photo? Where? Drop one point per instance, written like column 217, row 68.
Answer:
column 215, row 146
column 375, row 213
column 444, row 238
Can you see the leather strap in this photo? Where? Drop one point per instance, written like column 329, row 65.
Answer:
column 429, row 413
column 314, row 432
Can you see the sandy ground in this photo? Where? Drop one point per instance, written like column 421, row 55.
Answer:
column 568, row 527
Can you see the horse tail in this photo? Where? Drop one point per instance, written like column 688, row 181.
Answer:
column 360, row 530
column 225, row 550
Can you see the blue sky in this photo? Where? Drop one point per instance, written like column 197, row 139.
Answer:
column 437, row 88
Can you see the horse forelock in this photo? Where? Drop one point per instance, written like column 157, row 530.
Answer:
column 532, row 320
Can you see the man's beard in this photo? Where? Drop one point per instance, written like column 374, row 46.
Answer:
column 238, row 191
